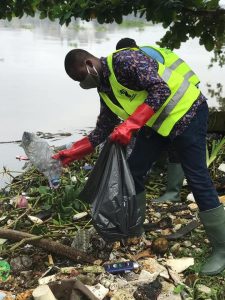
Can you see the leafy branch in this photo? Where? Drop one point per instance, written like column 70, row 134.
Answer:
column 183, row 19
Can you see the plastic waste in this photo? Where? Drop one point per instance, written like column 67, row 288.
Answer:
column 6, row 295
column 125, row 266
column 40, row 154
column 82, row 239
column 4, row 270
column 43, row 292
column 22, row 201
column 87, row 167
column 98, row 290
column 21, row 157
column 222, row 167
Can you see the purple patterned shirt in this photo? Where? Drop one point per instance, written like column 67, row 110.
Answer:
column 136, row 71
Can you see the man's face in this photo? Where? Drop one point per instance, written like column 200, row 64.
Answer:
column 87, row 75
column 78, row 73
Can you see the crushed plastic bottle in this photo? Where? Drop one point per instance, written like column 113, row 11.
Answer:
column 40, row 154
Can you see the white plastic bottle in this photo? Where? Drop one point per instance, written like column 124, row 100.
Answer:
column 40, row 154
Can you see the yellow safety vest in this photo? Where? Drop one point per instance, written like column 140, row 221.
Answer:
column 174, row 62
column 182, row 95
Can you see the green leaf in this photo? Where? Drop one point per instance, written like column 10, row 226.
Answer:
column 178, row 289
column 43, row 190
column 115, row 2
column 55, row 222
column 9, row 17
column 216, row 148
column 209, row 43
column 43, row 15
column 119, row 19
column 212, row 4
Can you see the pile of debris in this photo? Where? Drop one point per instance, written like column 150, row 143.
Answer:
column 50, row 250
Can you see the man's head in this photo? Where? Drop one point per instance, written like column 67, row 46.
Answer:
column 84, row 67
column 126, row 43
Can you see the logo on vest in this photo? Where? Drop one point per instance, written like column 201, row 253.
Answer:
column 125, row 92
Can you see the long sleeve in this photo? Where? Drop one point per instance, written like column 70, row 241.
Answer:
column 106, row 122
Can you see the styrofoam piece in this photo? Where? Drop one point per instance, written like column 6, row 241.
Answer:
column 185, row 182
column 35, row 220
column 180, row 264
column 80, row 215
column 222, row 167
column 43, row 292
column 190, row 197
column 98, row 290
column 45, row 280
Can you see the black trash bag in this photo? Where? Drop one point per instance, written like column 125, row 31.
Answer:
column 110, row 191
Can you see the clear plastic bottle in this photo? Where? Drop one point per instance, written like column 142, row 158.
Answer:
column 40, row 154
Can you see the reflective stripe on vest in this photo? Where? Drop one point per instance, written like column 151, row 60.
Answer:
column 173, row 102
column 172, row 61
column 177, row 64
column 183, row 95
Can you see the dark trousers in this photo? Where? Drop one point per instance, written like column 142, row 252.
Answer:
column 191, row 149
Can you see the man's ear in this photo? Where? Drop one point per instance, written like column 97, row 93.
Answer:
column 89, row 63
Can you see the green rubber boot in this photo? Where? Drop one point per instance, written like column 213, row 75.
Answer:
column 141, row 203
column 175, row 178
column 214, row 224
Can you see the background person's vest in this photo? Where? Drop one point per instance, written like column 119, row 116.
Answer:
column 182, row 95
column 172, row 61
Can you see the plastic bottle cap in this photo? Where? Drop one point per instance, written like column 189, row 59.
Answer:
column 55, row 182
column 135, row 265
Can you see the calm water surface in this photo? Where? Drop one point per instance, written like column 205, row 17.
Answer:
column 37, row 95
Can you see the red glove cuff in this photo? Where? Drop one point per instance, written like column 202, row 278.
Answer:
column 122, row 134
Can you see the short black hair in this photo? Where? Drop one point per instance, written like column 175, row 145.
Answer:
column 75, row 58
column 126, row 43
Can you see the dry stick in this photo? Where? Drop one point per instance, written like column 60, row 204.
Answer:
column 25, row 241
column 47, row 244
column 20, row 217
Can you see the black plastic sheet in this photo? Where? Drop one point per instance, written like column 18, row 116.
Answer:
column 110, row 191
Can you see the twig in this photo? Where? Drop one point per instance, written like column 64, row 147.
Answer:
column 26, row 240
column 11, row 142
column 20, row 217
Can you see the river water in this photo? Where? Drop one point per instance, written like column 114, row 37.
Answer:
column 37, row 95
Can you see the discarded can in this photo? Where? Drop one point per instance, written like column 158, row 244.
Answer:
column 120, row 267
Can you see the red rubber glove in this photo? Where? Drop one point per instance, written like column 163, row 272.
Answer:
column 77, row 151
column 122, row 133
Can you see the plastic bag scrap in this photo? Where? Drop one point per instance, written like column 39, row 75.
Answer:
column 110, row 191
column 40, row 154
